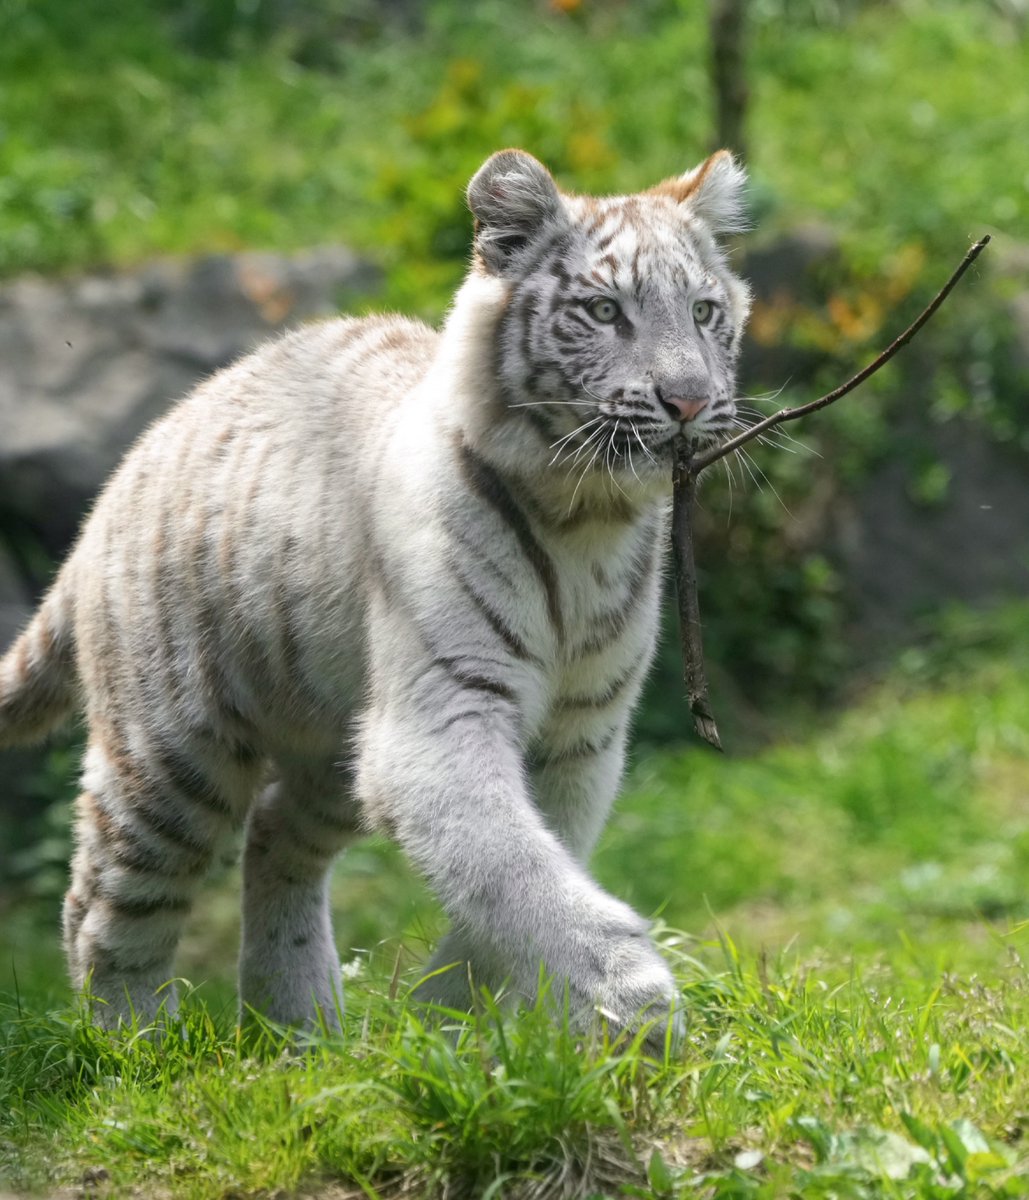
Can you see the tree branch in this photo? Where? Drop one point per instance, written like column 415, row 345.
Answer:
column 684, row 483
column 792, row 414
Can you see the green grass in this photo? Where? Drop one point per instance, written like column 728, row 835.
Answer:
column 855, row 981
column 793, row 1081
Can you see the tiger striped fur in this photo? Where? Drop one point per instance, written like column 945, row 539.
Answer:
column 373, row 575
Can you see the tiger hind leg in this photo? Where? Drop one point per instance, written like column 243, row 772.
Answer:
column 148, row 823
column 289, row 967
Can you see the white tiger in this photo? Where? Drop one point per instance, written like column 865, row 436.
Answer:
column 378, row 576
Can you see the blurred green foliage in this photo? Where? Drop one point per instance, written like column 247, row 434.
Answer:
column 211, row 124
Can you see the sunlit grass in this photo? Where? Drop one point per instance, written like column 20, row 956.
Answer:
column 911, row 807
column 796, row 1078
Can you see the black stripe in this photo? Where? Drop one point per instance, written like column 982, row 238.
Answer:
column 624, row 328
column 608, row 238
column 609, row 626
column 464, row 715
column 565, row 339
column 174, row 831
column 142, row 797
column 637, row 276
column 330, row 820
column 600, row 699
column 318, row 850
column 553, row 244
column 290, row 639
column 482, row 558
column 524, row 311
column 573, row 316
column 580, row 750
column 495, row 621
column 189, row 781
column 123, row 843
column 134, row 855
column 134, row 908
column 210, row 655
column 538, row 420
column 485, row 481
column 284, row 613
column 468, row 677
column 112, row 959
column 166, row 584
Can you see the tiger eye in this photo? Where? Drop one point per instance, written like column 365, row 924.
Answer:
column 604, row 310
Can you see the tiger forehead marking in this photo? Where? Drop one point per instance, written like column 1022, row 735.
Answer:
column 638, row 257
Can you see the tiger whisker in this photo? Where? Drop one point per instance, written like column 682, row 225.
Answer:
column 730, row 481
column 768, row 441
column 766, row 397
column 643, row 444
column 558, row 445
column 594, row 439
column 632, row 465
column 582, row 475
column 752, row 466
column 743, row 424
column 552, row 404
column 612, row 450
column 599, row 432
column 589, row 391
column 745, row 466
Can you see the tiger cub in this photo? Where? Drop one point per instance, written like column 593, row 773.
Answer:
column 379, row 576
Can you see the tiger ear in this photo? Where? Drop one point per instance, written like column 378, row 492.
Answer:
column 714, row 192
column 514, row 199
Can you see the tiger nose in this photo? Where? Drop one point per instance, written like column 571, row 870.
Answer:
column 683, row 408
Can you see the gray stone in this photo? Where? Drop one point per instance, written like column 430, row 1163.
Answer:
column 901, row 559
column 86, row 364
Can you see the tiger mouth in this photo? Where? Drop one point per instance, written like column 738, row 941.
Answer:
column 628, row 447
column 631, row 444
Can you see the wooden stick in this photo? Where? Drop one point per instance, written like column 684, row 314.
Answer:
column 683, row 491
column 684, row 485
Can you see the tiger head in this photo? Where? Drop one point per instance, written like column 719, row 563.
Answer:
column 620, row 320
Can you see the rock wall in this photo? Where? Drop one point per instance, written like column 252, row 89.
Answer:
column 86, row 364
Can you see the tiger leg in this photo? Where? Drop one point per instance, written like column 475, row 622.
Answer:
column 148, row 822
column 289, row 966
column 574, row 793
column 575, row 789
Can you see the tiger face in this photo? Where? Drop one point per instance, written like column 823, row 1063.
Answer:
column 622, row 320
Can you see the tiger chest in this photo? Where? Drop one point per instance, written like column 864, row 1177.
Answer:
column 611, row 618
